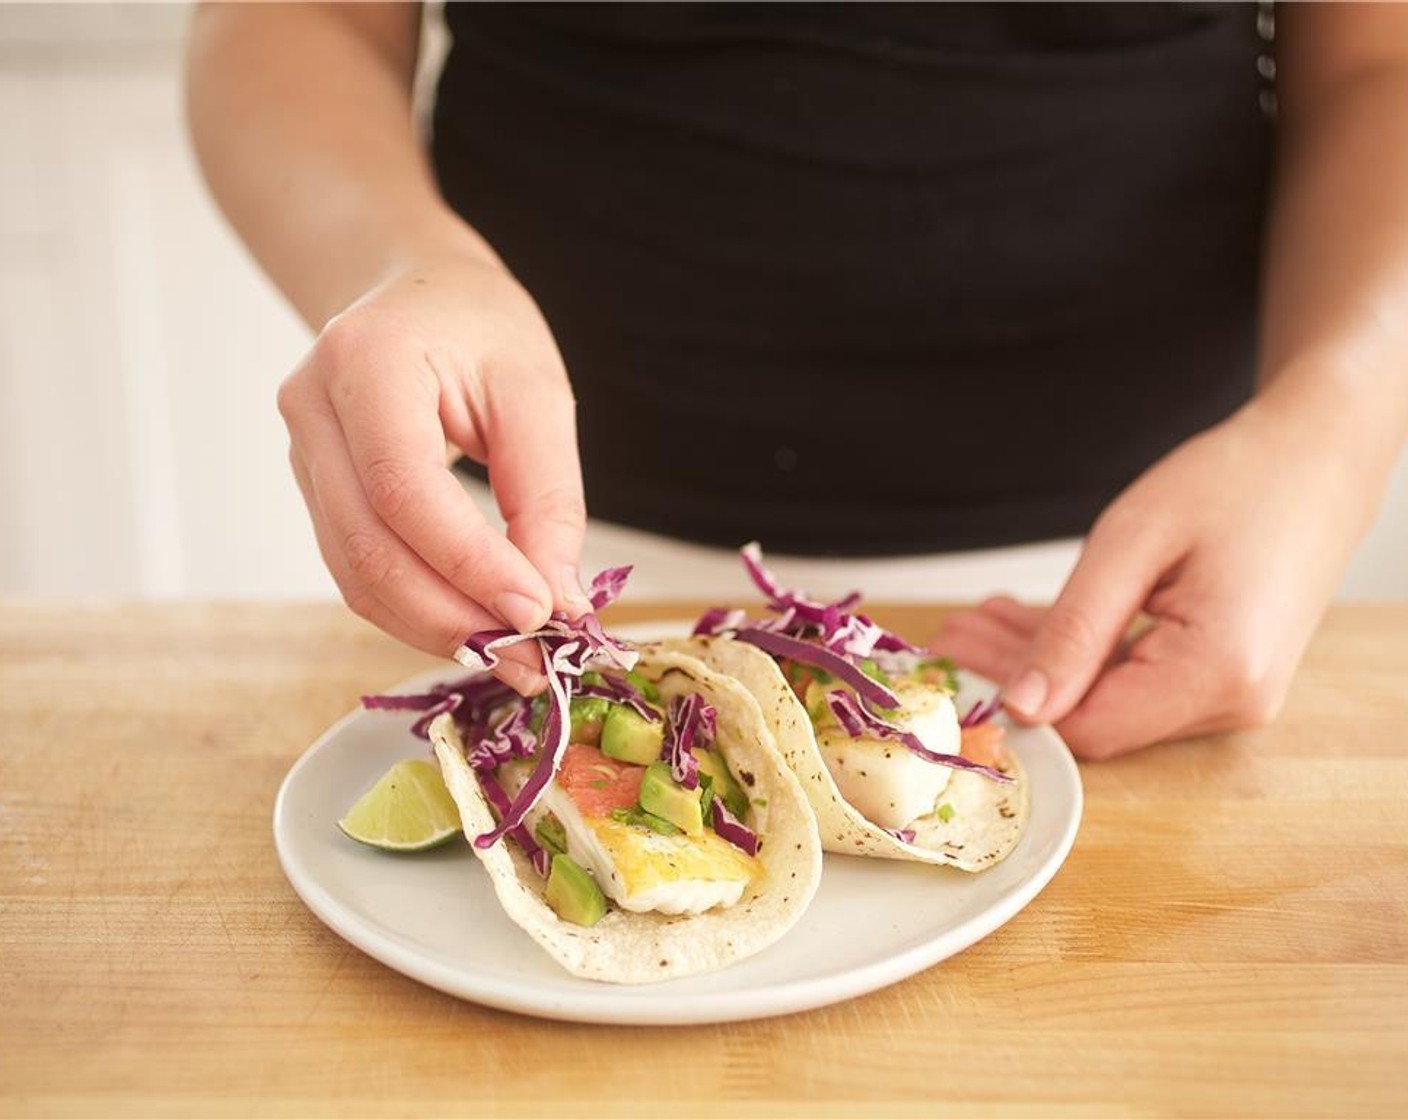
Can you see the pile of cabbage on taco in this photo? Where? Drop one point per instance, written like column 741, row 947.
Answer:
column 869, row 724
column 636, row 819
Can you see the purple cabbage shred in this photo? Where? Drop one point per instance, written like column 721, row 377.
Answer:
column 981, row 712
column 691, row 724
column 834, row 638
column 857, row 721
column 540, row 857
column 732, row 829
column 620, row 691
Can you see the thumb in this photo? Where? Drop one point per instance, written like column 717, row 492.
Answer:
column 536, row 476
column 1118, row 568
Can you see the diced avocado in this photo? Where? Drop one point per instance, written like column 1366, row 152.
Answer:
column 637, row 816
column 573, row 894
column 817, row 707
column 644, row 687
column 631, row 737
column 725, row 785
column 662, row 795
column 551, row 834
column 944, row 812
column 871, row 669
column 587, row 714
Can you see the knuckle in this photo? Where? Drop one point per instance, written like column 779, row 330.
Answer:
column 1260, row 703
column 342, row 342
column 1069, row 632
column 1094, row 740
column 369, row 561
column 289, row 396
column 296, row 397
column 1125, row 522
column 563, row 506
column 389, row 486
column 445, row 639
column 361, row 602
column 1095, row 750
column 1249, row 687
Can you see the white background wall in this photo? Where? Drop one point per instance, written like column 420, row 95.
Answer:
column 140, row 349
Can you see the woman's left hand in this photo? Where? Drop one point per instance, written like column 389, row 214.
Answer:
column 1231, row 546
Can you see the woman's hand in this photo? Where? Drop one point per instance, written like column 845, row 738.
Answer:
column 1231, row 546
column 321, row 169
column 450, row 353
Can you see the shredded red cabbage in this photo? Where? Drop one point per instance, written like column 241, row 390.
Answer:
column 981, row 712
column 833, row 638
column 732, row 829
column 835, row 624
column 511, row 737
column 471, row 698
column 621, row 691
column 904, row 835
column 568, row 647
column 718, row 619
column 553, row 743
column 429, row 705
column 799, row 649
column 608, row 585
column 691, row 723
column 540, row 857
column 857, row 722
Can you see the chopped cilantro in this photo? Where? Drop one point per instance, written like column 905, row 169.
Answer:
column 637, row 816
column 551, row 834
column 938, row 670
column 871, row 669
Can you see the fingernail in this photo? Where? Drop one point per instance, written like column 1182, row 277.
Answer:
column 1027, row 693
column 572, row 592
column 520, row 612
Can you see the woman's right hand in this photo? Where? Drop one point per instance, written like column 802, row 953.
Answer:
column 451, row 353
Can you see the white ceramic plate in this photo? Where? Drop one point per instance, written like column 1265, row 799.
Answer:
column 433, row 916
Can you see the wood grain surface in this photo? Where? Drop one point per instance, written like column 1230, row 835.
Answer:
column 1228, row 937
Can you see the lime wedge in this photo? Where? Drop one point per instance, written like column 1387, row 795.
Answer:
column 408, row 810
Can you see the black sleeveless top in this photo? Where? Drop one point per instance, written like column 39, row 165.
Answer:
column 871, row 279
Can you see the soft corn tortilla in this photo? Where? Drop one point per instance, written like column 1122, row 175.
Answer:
column 988, row 816
column 629, row 948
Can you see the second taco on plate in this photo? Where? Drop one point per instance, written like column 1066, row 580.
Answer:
column 868, row 723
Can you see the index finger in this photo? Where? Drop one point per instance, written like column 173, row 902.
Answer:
column 397, row 443
column 536, row 476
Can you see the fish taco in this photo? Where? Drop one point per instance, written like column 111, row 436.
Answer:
column 636, row 819
column 869, row 725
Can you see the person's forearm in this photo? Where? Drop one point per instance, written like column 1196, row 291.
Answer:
column 302, row 120
column 1335, row 317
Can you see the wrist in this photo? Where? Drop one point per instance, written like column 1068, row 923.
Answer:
column 1320, row 423
column 420, row 242
column 437, row 236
